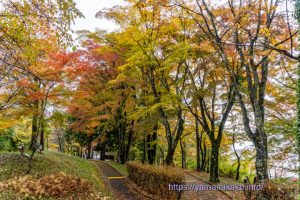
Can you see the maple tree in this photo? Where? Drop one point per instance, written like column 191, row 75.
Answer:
column 34, row 33
column 100, row 103
column 152, row 55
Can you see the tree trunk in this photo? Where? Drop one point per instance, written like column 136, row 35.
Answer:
column 144, row 148
column 127, row 148
column 42, row 135
column 183, row 154
column 89, row 154
column 89, row 148
column 60, row 142
column 34, row 134
column 214, row 163
column 47, row 139
column 261, row 162
column 237, row 156
column 198, row 145
column 207, row 165
column 170, row 152
column 122, row 148
column 151, row 146
column 261, row 165
column 203, row 155
column 162, row 155
column 237, row 177
column 170, row 156
column 35, row 121
column 172, row 142
column 150, row 150
column 102, row 151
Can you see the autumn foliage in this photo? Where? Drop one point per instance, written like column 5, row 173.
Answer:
column 202, row 84
column 58, row 185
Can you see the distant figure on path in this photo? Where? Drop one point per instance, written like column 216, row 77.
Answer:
column 21, row 148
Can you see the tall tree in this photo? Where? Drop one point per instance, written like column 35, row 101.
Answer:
column 205, row 81
column 242, row 35
column 29, row 31
column 153, row 55
column 101, row 101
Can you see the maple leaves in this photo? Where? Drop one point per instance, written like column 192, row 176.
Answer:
column 95, row 67
column 29, row 37
column 33, row 35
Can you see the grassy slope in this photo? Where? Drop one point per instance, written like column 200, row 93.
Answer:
column 12, row 165
column 121, row 168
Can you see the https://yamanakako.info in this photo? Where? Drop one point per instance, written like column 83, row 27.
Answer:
column 198, row 187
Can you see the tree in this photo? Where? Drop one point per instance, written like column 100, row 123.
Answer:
column 153, row 55
column 44, row 85
column 101, row 102
column 31, row 31
column 232, row 33
column 204, row 81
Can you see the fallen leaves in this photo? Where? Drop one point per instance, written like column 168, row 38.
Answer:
column 56, row 185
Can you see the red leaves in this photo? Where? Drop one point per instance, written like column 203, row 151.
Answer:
column 24, row 82
column 93, row 68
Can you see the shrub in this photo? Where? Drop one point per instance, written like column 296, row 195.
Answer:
column 227, row 170
column 155, row 179
column 280, row 191
column 274, row 191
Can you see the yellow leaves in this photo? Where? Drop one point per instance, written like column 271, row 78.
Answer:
column 5, row 123
column 226, row 141
column 123, row 68
column 8, row 121
column 121, row 77
column 265, row 31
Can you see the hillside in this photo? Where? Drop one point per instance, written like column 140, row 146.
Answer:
column 53, row 176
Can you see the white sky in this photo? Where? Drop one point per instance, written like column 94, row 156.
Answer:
column 89, row 8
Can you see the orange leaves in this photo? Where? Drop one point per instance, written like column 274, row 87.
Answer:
column 30, row 89
column 53, row 185
column 25, row 83
column 96, row 96
column 55, row 66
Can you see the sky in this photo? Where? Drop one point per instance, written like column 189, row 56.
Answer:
column 89, row 8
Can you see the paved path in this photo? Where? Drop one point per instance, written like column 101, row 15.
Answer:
column 201, row 195
column 122, row 191
column 118, row 185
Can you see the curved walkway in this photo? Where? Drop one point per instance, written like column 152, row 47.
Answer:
column 117, row 183
column 122, row 191
column 203, row 194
